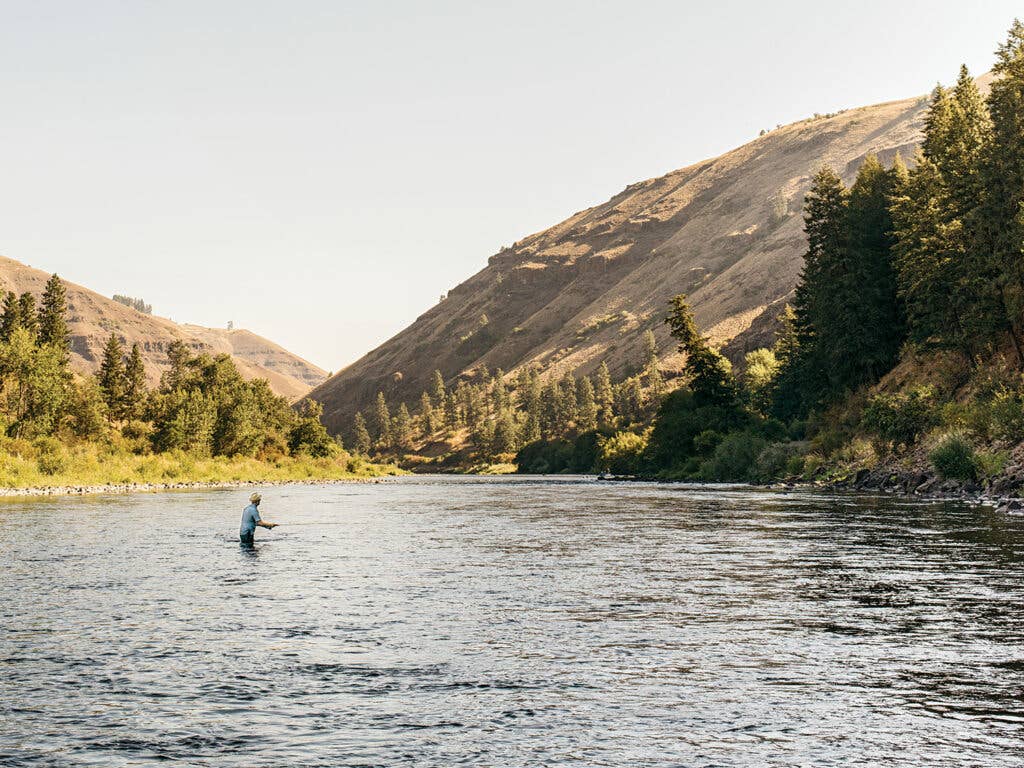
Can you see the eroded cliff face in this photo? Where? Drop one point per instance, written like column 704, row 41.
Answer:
column 728, row 232
column 92, row 318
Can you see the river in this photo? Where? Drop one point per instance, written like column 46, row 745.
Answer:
column 511, row 622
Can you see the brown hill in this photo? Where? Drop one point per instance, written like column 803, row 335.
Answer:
column 728, row 232
column 92, row 318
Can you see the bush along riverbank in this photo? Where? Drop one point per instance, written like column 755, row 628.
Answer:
column 203, row 423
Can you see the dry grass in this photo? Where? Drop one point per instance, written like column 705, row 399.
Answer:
column 49, row 463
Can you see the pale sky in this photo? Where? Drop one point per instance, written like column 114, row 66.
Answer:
column 320, row 172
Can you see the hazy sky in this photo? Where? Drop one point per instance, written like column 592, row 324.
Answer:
column 320, row 172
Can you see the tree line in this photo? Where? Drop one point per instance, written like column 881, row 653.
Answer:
column 924, row 260
column 932, row 256
column 498, row 415
column 201, row 405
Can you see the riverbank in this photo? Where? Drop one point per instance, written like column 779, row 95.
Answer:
column 46, row 468
column 125, row 488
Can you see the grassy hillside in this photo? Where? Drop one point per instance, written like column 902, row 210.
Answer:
column 727, row 232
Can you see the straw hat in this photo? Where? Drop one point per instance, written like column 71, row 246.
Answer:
column 255, row 498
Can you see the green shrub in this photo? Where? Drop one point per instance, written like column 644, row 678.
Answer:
column 900, row 419
column 954, row 459
column 828, row 441
column 774, row 461
column 1007, row 411
column 622, row 453
column 705, row 443
column 795, row 466
column 544, row 457
column 990, row 464
column 978, row 419
column 734, row 460
column 50, row 456
column 812, row 463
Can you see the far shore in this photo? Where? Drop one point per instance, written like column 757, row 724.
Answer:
column 126, row 488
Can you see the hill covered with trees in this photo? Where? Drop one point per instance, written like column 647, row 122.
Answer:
column 727, row 232
column 899, row 353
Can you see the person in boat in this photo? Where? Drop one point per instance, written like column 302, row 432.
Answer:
column 251, row 519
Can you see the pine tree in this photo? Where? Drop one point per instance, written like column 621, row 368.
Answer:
column 861, row 327
column 53, row 324
column 804, row 380
column 505, row 438
column 709, row 373
column 931, row 264
column 360, row 435
column 604, row 397
column 531, row 403
column 135, row 391
column 427, row 415
column 500, row 399
column 382, row 422
column 999, row 223
column 179, row 357
column 111, row 377
column 27, row 313
column 11, row 317
column 550, row 397
column 452, row 417
column 566, row 402
column 437, row 390
column 401, row 429
column 655, row 381
column 586, row 418
column 629, row 400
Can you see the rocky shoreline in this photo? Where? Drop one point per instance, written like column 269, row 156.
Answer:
column 1002, row 492
column 125, row 488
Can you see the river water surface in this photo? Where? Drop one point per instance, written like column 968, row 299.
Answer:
column 522, row 622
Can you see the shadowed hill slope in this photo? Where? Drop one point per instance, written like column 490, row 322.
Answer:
column 728, row 232
column 92, row 318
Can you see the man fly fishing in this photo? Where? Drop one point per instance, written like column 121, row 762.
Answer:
column 250, row 519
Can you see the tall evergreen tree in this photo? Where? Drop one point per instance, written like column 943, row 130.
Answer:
column 709, row 373
column 382, row 422
column 505, row 438
column 11, row 317
column 604, row 396
column 427, row 415
column 135, row 391
column 655, row 381
column 27, row 313
column 1000, row 217
column 53, row 323
column 803, row 379
column 111, row 376
column 862, row 327
column 586, row 418
column 437, row 390
column 401, row 429
column 360, row 434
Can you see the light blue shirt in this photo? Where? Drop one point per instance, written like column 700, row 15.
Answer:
column 250, row 516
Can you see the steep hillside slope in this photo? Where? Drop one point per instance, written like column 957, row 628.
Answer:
column 727, row 232
column 92, row 318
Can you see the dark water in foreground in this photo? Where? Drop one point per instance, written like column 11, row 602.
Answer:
column 511, row 623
